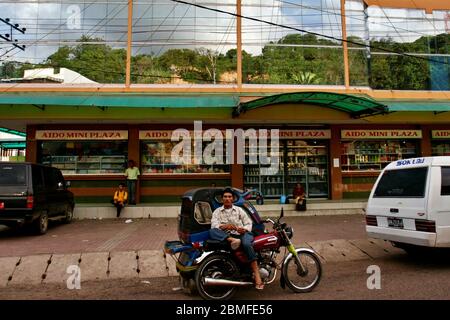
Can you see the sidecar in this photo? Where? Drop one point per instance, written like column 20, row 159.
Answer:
column 194, row 222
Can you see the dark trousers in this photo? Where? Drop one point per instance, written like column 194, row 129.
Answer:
column 131, row 185
column 246, row 241
column 119, row 207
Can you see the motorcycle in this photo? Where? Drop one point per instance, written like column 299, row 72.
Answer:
column 215, row 271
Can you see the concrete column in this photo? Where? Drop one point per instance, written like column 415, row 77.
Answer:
column 335, row 173
column 425, row 142
column 31, row 149
column 134, row 154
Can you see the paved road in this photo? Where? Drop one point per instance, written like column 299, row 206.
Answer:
column 401, row 278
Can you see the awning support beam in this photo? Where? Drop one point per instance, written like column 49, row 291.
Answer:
column 40, row 107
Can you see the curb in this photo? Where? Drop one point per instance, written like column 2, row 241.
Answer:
column 64, row 268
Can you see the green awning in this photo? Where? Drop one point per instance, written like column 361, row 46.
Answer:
column 356, row 106
column 121, row 100
column 425, row 105
column 14, row 132
column 13, row 145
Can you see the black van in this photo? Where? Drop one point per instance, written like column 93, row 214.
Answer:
column 33, row 194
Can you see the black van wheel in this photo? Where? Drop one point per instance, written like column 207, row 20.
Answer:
column 41, row 224
column 68, row 214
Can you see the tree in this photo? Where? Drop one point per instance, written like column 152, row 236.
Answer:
column 208, row 60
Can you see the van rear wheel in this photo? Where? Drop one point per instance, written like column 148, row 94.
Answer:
column 41, row 224
column 68, row 214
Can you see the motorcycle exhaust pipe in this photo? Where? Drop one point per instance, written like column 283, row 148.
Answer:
column 223, row 282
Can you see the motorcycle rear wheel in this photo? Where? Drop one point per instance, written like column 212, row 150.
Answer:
column 302, row 282
column 216, row 266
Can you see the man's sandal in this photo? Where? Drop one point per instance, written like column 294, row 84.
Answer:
column 259, row 286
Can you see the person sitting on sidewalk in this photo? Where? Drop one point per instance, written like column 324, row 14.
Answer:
column 300, row 197
column 120, row 198
column 231, row 223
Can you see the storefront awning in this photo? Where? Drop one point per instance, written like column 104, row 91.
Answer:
column 430, row 106
column 356, row 106
column 13, row 145
column 121, row 100
column 13, row 132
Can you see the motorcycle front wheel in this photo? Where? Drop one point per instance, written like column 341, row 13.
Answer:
column 296, row 279
column 219, row 267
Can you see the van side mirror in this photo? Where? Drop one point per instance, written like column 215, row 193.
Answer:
column 68, row 184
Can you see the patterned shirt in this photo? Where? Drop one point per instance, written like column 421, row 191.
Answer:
column 234, row 215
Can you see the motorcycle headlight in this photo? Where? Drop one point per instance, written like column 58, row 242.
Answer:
column 289, row 232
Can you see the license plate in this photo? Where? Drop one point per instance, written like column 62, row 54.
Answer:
column 2, row 205
column 395, row 223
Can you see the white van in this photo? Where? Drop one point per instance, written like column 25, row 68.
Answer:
column 410, row 203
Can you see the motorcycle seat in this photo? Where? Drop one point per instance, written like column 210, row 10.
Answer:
column 213, row 245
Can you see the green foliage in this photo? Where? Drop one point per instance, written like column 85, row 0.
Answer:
column 283, row 62
column 98, row 62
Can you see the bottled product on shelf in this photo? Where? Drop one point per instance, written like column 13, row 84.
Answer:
column 374, row 155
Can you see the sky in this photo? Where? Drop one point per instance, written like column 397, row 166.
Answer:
column 161, row 24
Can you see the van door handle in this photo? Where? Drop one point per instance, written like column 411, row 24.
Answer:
column 394, row 210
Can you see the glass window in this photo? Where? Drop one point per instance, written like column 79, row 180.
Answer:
column 301, row 161
column 374, row 155
column 176, row 44
column 85, row 157
column 12, row 175
column 156, row 157
column 38, row 180
column 402, row 183
column 51, row 182
column 440, row 148
column 445, row 181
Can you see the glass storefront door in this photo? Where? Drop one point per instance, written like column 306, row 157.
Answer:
column 301, row 161
column 307, row 163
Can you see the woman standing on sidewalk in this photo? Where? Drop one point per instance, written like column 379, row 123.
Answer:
column 132, row 173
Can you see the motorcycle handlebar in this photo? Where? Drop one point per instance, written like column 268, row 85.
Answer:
column 270, row 220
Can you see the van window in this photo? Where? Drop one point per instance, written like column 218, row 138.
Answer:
column 445, row 181
column 51, row 183
column 38, row 180
column 12, row 175
column 402, row 183
column 58, row 177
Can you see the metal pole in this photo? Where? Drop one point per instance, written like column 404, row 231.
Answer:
column 344, row 45
column 239, row 44
column 368, row 54
column 129, row 39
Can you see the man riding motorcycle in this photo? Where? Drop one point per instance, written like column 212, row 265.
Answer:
column 231, row 223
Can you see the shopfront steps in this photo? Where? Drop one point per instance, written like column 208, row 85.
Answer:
column 107, row 211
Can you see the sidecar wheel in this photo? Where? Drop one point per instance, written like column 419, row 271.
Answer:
column 218, row 267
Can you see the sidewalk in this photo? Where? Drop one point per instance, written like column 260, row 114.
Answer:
column 271, row 208
column 113, row 249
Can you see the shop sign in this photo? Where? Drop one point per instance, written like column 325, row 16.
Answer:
column 381, row 134
column 305, row 134
column 155, row 135
column 440, row 134
column 81, row 135
column 283, row 134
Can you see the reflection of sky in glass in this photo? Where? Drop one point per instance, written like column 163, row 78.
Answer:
column 316, row 16
column 160, row 25
column 164, row 25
